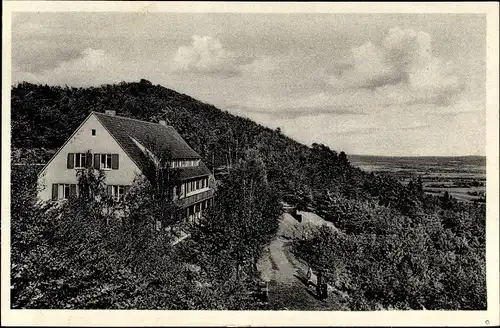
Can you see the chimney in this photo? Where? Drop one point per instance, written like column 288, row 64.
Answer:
column 110, row 112
column 163, row 122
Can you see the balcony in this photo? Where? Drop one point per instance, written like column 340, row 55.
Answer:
column 196, row 198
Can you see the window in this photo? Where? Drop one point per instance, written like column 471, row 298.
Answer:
column 194, row 185
column 117, row 191
column 185, row 163
column 93, row 132
column 80, row 160
column 106, row 161
column 63, row 191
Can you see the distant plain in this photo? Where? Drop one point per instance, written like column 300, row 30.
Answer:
column 463, row 177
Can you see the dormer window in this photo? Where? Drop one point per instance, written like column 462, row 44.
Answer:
column 185, row 163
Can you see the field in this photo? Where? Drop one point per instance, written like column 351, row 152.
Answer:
column 463, row 177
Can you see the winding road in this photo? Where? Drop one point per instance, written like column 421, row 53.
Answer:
column 285, row 273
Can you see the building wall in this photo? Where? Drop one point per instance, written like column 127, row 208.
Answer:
column 81, row 142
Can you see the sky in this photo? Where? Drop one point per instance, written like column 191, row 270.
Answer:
column 378, row 84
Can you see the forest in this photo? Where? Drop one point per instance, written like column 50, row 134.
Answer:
column 397, row 247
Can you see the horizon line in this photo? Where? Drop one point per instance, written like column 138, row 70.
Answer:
column 374, row 155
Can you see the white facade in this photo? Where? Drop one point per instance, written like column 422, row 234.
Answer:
column 90, row 136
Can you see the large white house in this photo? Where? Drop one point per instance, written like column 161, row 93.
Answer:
column 120, row 146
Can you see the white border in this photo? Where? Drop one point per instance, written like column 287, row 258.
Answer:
column 263, row 318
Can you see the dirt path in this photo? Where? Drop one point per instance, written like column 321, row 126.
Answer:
column 285, row 273
column 281, row 270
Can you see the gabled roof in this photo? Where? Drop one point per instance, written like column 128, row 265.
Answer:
column 164, row 138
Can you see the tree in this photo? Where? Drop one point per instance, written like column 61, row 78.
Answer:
column 82, row 256
column 243, row 220
column 389, row 260
column 160, row 183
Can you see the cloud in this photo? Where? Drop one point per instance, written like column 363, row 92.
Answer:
column 206, row 55
column 393, row 132
column 400, row 70
column 296, row 106
column 74, row 71
column 39, row 55
column 274, row 66
column 263, row 65
column 90, row 67
column 292, row 113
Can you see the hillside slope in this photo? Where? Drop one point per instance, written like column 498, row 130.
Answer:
column 45, row 116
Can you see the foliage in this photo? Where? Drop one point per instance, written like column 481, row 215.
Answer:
column 228, row 241
column 90, row 253
column 390, row 260
column 397, row 247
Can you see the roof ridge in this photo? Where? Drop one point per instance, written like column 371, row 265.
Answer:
column 130, row 118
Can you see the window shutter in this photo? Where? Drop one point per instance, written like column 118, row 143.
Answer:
column 88, row 160
column 97, row 161
column 114, row 161
column 72, row 190
column 54, row 191
column 109, row 189
column 71, row 160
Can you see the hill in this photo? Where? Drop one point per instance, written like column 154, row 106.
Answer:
column 45, row 116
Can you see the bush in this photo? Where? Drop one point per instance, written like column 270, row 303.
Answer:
column 94, row 253
column 427, row 265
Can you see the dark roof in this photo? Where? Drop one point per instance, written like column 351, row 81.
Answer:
column 163, row 137
column 193, row 171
